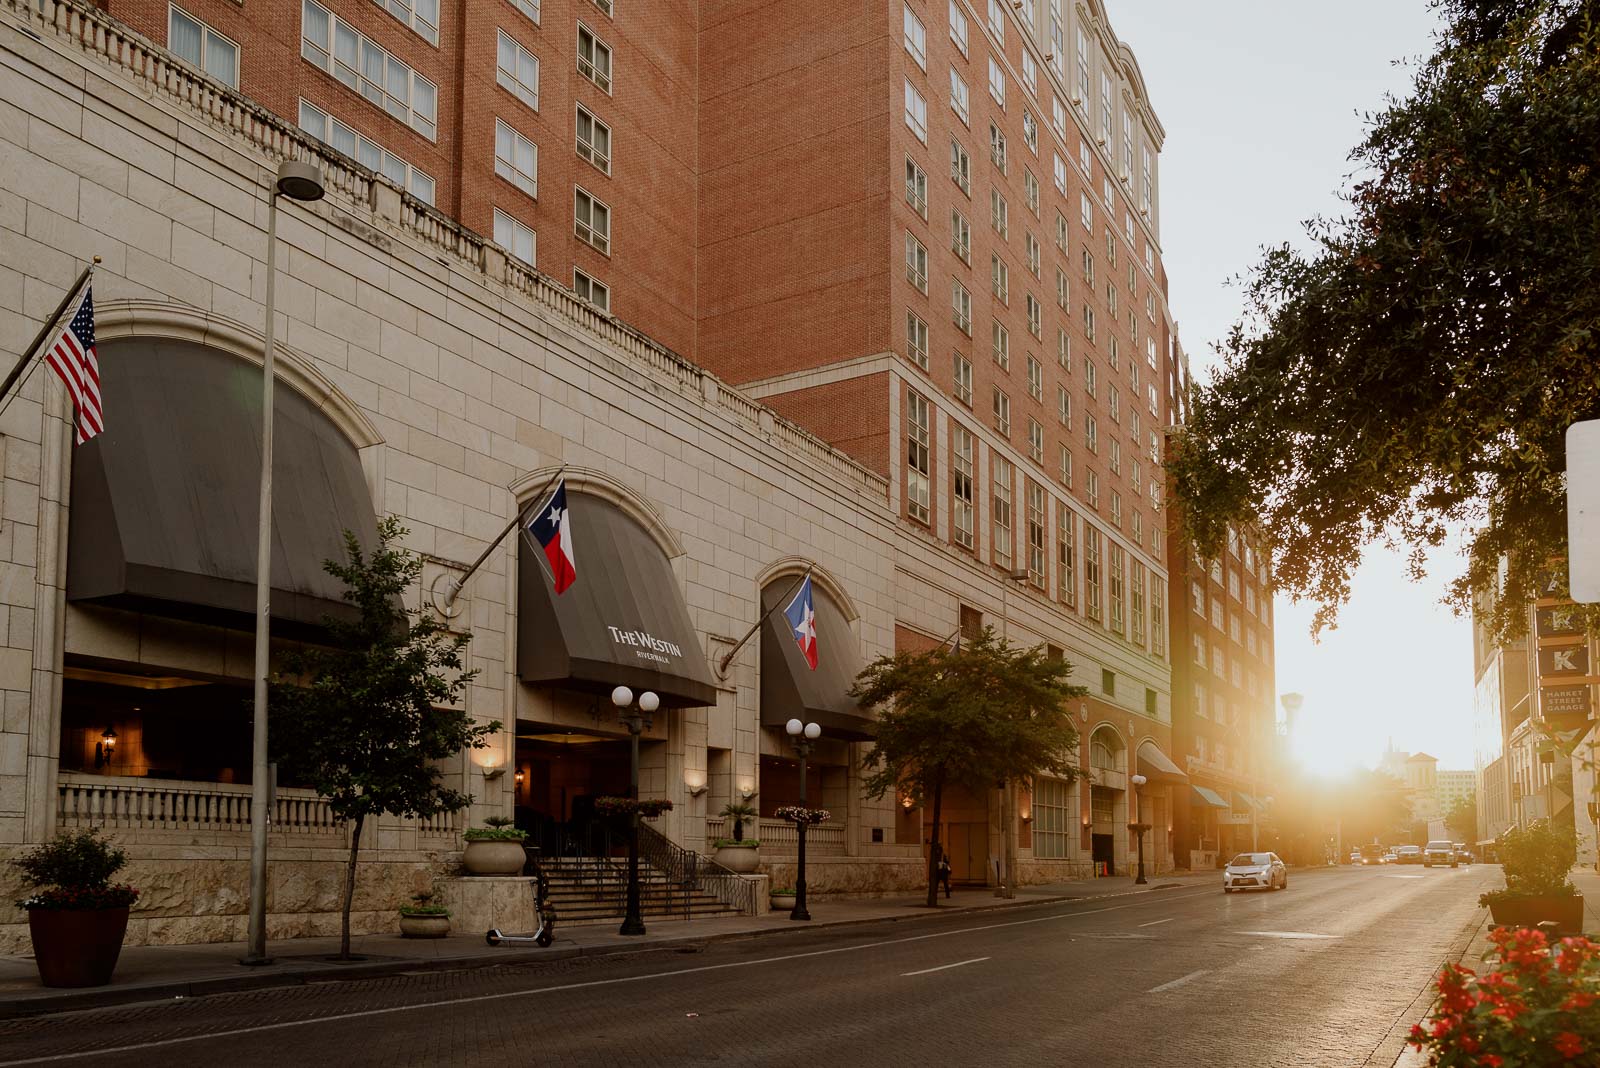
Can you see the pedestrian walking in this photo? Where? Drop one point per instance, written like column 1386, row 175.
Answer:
column 941, row 874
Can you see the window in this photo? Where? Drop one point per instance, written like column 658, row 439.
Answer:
column 515, row 238
column 1053, row 827
column 1086, row 211
column 604, row 6
column 336, row 47
column 1091, row 572
column 1116, row 455
column 960, row 101
column 997, row 82
column 1002, row 411
column 1061, row 233
column 997, row 20
column 1030, row 245
column 916, row 187
column 999, row 278
column 1088, row 322
column 1035, row 378
column 594, row 140
column 1030, row 194
column 1089, row 376
column 1083, row 160
column 1063, row 349
column 1116, row 509
column 999, row 213
column 963, row 379
column 1216, row 613
column 916, row 339
column 594, row 58
column 517, row 70
column 960, row 166
column 329, row 130
column 916, row 37
column 1035, row 535
column 916, row 263
column 1088, row 268
column 916, row 112
column 1000, row 342
column 961, row 453
column 596, row 293
column 1030, row 73
column 917, row 483
column 1138, row 528
column 1064, row 407
column 1082, row 99
column 1035, row 441
column 1064, row 474
column 1066, row 562
column 961, row 307
column 961, row 236
column 1002, row 511
column 198, row 44
column 1158, row 618
column 1136, row 604
column 958, row 26
column 1030, row 131
column 591, row 220
column 516, row 159
column 1107, row 106
column 1060, row 166
column 1035, row 315
column 1108, row 680
column 421, row 15
column 1091, row 489
column 997, row 147
column 1219, row 666
column 1091, row 434
column 530, row 8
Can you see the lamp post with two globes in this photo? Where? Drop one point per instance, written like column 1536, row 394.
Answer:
column 803, row 736
column 636, row 719
column 1139, row 826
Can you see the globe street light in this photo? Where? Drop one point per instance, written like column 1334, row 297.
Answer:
column 636, row 720
column 300, row 181
column 802, row 736
column 1139, row 826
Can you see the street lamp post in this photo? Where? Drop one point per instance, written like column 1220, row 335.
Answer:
column 803, row 736
column 297, row 181
column 636, row 720
column 1139, row 826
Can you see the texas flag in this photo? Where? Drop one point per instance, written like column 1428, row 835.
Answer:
column 803, row 622
column 552, row 529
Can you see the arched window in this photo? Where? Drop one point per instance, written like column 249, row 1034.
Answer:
column 1105, row 750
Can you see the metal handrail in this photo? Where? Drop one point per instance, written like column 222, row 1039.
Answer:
column 690, row 871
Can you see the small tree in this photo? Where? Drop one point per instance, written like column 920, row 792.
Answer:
column 980, row 714
column 363, row 717
column 1462, row 819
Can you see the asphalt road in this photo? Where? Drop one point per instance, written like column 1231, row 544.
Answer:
column 1331, row 971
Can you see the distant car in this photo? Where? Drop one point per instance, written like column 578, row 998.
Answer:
column 1389, row 858
column 1463, row 854
column 1255, row 871
column 1371, row 853
column 1355, row 856
column 1408, row 854
column 1439, row 852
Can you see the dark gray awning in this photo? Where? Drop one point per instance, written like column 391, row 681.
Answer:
column 1155, row 766
column 790, row 689
column 164, row 502
column 1202, row 796
column 622, row 623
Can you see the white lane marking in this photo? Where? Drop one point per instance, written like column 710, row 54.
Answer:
column 589, row 985
column 1191, row 977
column 1152, row 923
column 944, row 967
column 1286, row 934
column 1405, row 876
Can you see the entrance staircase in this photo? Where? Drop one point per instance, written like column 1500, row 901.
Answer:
column 594, row 890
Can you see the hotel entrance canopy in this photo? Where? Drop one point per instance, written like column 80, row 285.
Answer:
column 791, row 688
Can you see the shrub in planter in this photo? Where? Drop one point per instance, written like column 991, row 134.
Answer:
column 781, row 900
column 738, row 812
column 423, row 919
column 622, row 807
column 1536, row 859
column 78, row 916
column 495, row 849
column 1539, row 1004
column 741, row 855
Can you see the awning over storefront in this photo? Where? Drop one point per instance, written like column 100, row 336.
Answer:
column 1200, row 795
column 790, row 688
column 164, row 502
column 1158, row 768
column 622, row 623
column 1244, row 801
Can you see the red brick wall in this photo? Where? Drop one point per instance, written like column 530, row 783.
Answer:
column 853, row 415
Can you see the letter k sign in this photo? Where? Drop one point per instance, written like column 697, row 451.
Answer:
column 1562, row 660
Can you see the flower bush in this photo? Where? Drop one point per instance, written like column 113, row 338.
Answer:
column 1536, row 860
column 648, row 807
column 1539, row 1005
column 799, row 814
column 74, row 870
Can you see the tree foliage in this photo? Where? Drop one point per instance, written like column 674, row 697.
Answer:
column 1416, row 370
column 364, row 716
column 1462, row 819
column 981, row 714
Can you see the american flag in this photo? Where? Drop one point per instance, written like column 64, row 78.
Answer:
column 71, row 355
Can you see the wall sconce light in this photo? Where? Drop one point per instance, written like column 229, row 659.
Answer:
column 104, row 747
column 907, row 803
column 1027, row 817
column 492, row 769
column 695, row 780
column 747, row 789
column 521, row 777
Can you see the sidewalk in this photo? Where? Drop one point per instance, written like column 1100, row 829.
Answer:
column 148, row 973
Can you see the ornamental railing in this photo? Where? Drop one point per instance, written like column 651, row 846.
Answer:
column 687, row 871
column 779, row 838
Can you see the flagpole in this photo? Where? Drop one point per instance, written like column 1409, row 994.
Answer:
column 722, row 665
column 44, row 331
column 516, row 521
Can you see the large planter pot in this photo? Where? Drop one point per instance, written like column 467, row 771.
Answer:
column 494, row 857
column 1566, row 911
column 424, row 926
column 781, row 902
column 742, row 859
column 77, row 947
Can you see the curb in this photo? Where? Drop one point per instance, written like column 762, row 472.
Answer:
column 1408, row 1057
column 15, row 1008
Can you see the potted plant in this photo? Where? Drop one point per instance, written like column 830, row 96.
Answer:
column 738, row 853
column 782, row 900
column 423, row 919
column 1534, row 1006
column 494, row 849
column 78, row 916
column 1537, row 859
column 622, row 807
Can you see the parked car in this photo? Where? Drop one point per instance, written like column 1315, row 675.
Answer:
column 1371, row 853
column 1355, row 856
column 1463, row 854
column 1255, row 871
column 1389, row 858
column 1408, row 854
column 1439, row 852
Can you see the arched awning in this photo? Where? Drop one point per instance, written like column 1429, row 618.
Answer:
column 165, row 501
column 622, row 623
column 1157, row 767
column 791, row 688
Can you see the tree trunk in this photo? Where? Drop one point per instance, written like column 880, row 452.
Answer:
column 933, row 848
column 349, row 889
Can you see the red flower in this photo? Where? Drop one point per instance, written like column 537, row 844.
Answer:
column 1568, row 1044
column 1492, row 1060
column 1578, row 1000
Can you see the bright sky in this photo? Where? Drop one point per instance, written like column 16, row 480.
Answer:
column 1262, row 102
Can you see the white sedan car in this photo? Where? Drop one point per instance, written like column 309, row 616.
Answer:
column 1255, row 871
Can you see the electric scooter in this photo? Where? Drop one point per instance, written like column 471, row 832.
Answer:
column 544, row 918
